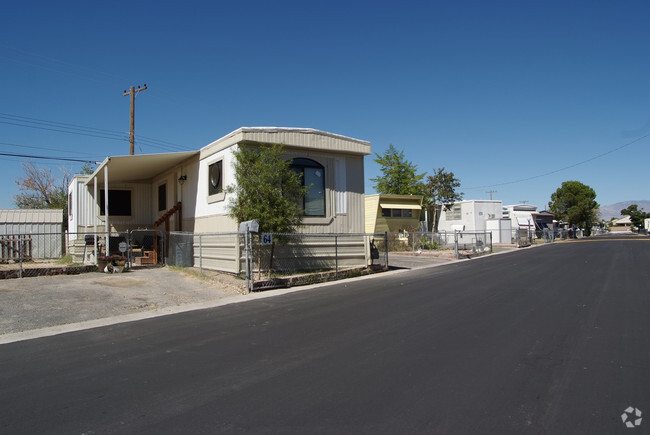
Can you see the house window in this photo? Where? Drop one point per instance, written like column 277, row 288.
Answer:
column 162, row 197
column 215, row 178
column 454, row 214
column 312, row 175
column 397, row 212
column 119, row 202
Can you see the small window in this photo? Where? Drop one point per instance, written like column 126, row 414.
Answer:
column 454, row 214
column 119, row 203
column 385, row 212
column 162, row 197
column 397, row 212
column 407, row 213
column 215, row 178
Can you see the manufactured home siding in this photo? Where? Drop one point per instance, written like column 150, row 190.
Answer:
column 140, row 207
column 372, row 212
column 302, row 137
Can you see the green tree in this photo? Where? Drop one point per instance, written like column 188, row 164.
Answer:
column 40, row 188
column 576, row 204
column 440, row 191
column 399, row 176
column 265, row 189
column 637, row 217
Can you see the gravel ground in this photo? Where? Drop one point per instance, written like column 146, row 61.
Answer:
column 46, row 301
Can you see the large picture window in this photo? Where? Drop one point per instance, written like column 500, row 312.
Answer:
column 119, row 202
column 312, row 175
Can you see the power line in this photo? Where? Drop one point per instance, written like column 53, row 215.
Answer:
column 38, row 121
column 62, row 127
column 65, row 159
column 561, row 169
column 42, row 148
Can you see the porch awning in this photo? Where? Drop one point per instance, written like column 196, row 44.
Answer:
column 397, row 204
column 139, row 167
column 523, row 222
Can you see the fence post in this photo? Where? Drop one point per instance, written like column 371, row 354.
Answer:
column 20, row 254
column 200, row 254
column 129, row 254
column 246, row 265
column 336, row 254
column 386, row 246
column 456, row 245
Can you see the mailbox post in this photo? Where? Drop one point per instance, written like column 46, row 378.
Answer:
column 246, row 228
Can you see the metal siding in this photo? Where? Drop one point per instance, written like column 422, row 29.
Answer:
column 372, row 212
column 340, row 186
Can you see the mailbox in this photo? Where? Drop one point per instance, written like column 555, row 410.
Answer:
column 249, row 226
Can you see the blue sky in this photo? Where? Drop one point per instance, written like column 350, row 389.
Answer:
column 512, row 96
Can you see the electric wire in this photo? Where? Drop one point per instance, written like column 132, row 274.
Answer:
column 65, row 159
column 43, row 148
column 563, row 168
column 62, row 127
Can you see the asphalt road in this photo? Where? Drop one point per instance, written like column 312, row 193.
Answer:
column 553, row 339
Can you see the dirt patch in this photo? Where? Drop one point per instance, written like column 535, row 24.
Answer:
column 44, row 301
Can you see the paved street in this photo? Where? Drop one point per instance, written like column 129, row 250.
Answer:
column 553, row 339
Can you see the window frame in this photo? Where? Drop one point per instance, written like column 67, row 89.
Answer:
column 298, row 164
column 216, row 193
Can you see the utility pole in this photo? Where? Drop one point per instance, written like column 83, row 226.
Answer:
column 491, row 192
column 132, row 93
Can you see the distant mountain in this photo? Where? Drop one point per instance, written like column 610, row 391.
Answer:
column 614, row 211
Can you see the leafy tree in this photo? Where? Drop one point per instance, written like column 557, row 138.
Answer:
column 41, row 189
column 636, row 216
column 266, row 189
column 576, row 204
column 399, row 175
column 439, row 191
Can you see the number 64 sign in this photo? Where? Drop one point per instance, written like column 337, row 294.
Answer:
column 267, row 239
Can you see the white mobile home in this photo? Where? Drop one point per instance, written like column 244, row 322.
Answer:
column 521, row 215
column 185, row 191
column 469, row 215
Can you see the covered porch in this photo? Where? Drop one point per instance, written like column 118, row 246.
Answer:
column 140, row 193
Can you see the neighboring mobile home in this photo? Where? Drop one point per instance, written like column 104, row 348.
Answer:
column 469, row 215
column 392, row 213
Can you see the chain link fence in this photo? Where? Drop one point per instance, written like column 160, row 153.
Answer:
column 274, row 260
column 463, row 244
column 24, row 255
